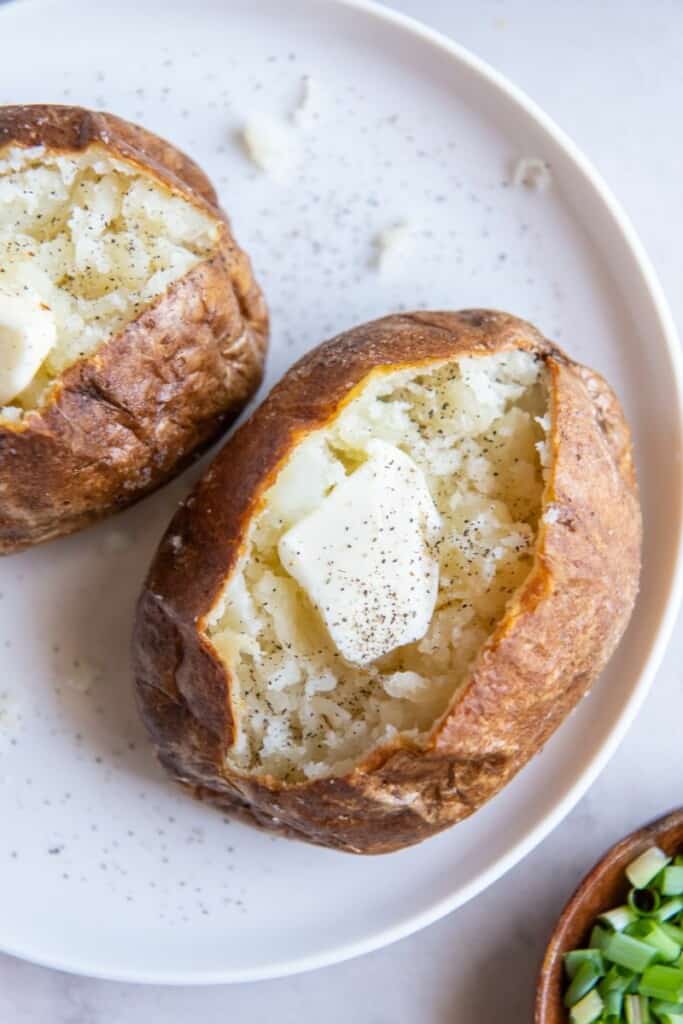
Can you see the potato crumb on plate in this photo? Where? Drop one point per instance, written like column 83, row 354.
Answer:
column 533, row 173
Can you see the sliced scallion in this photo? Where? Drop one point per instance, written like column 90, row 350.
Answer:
column 672, row 880
column 653, row 935
column 637, row 1010
column 644, row 902
column 589, row 1009
column 618, row 918
column 670, row 908
column 674, row 931
column 659, row 1006
column 643, row 869
column 662, row 982
column 574, row 960
column 617, row 979
column 599, row 937
column 614, row 1001
column 629, row 952
column 586, row 978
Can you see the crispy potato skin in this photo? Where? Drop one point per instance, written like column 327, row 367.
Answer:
column 554, row 639
column 128, row 416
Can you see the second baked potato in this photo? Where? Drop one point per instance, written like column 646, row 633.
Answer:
column 131, row 328
column 394, row 582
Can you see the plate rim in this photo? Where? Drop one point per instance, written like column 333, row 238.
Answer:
column 662, row 633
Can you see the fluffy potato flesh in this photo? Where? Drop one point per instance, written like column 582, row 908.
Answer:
column 86, row 243
column 475, row 431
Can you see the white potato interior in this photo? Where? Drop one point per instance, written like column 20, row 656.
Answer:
column 90, row 240
column 477, row 429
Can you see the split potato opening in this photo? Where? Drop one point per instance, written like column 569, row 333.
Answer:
column 382, row 558
column 87, row 242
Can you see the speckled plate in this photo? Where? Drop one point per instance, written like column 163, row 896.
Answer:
column 105, row 868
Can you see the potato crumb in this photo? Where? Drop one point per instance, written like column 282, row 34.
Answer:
column 533, row 173
column 271, row 144
column 392, row 245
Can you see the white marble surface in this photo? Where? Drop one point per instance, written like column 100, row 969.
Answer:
column 611, row 75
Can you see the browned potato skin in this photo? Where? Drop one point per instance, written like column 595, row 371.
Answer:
column 126, row 418
column 554, row 639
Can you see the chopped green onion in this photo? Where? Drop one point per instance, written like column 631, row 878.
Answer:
column 672, row 880
column 659, row 1006
column 617, row 979
column 662, row 983
column 632, row 987
column 577, row 957
column 644, row 902
column 599, row 937
column 643, row 869
column 614, row 1001
column 618, row 918
column 674, row 931
column 637, row 1010
column 629, row 952
column 586, row 978
column 654, row 935
column 588, row 1010
column 670, row 908
column 670, row 1018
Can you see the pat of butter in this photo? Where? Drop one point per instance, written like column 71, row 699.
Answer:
column 27, row 333
column 364, row 556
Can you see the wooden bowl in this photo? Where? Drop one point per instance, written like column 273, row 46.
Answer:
column 604, row 887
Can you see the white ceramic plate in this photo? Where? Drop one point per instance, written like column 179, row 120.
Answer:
column 105, row 868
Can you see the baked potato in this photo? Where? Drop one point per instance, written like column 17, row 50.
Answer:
column 393, row 583
column 131, row 328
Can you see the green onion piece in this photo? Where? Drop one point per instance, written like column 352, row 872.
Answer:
column 586, row 978
column 672, row 880
column 637, row 1010
column 588, row 1010
column 678, row 860
column 633, row 984
column 654, row 935
column 618, row 918
column 644, row 902
column 574, row 960
column 659, row 1006
column 617, row 979
column 670, row 908
column 629, row 952
column 614, row 1001
column 674, row 931
column 643, row 869
column 670, row 1018
column 662, row 983
column 599, row 937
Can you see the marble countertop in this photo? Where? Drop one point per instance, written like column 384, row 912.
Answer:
column 611, row 75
